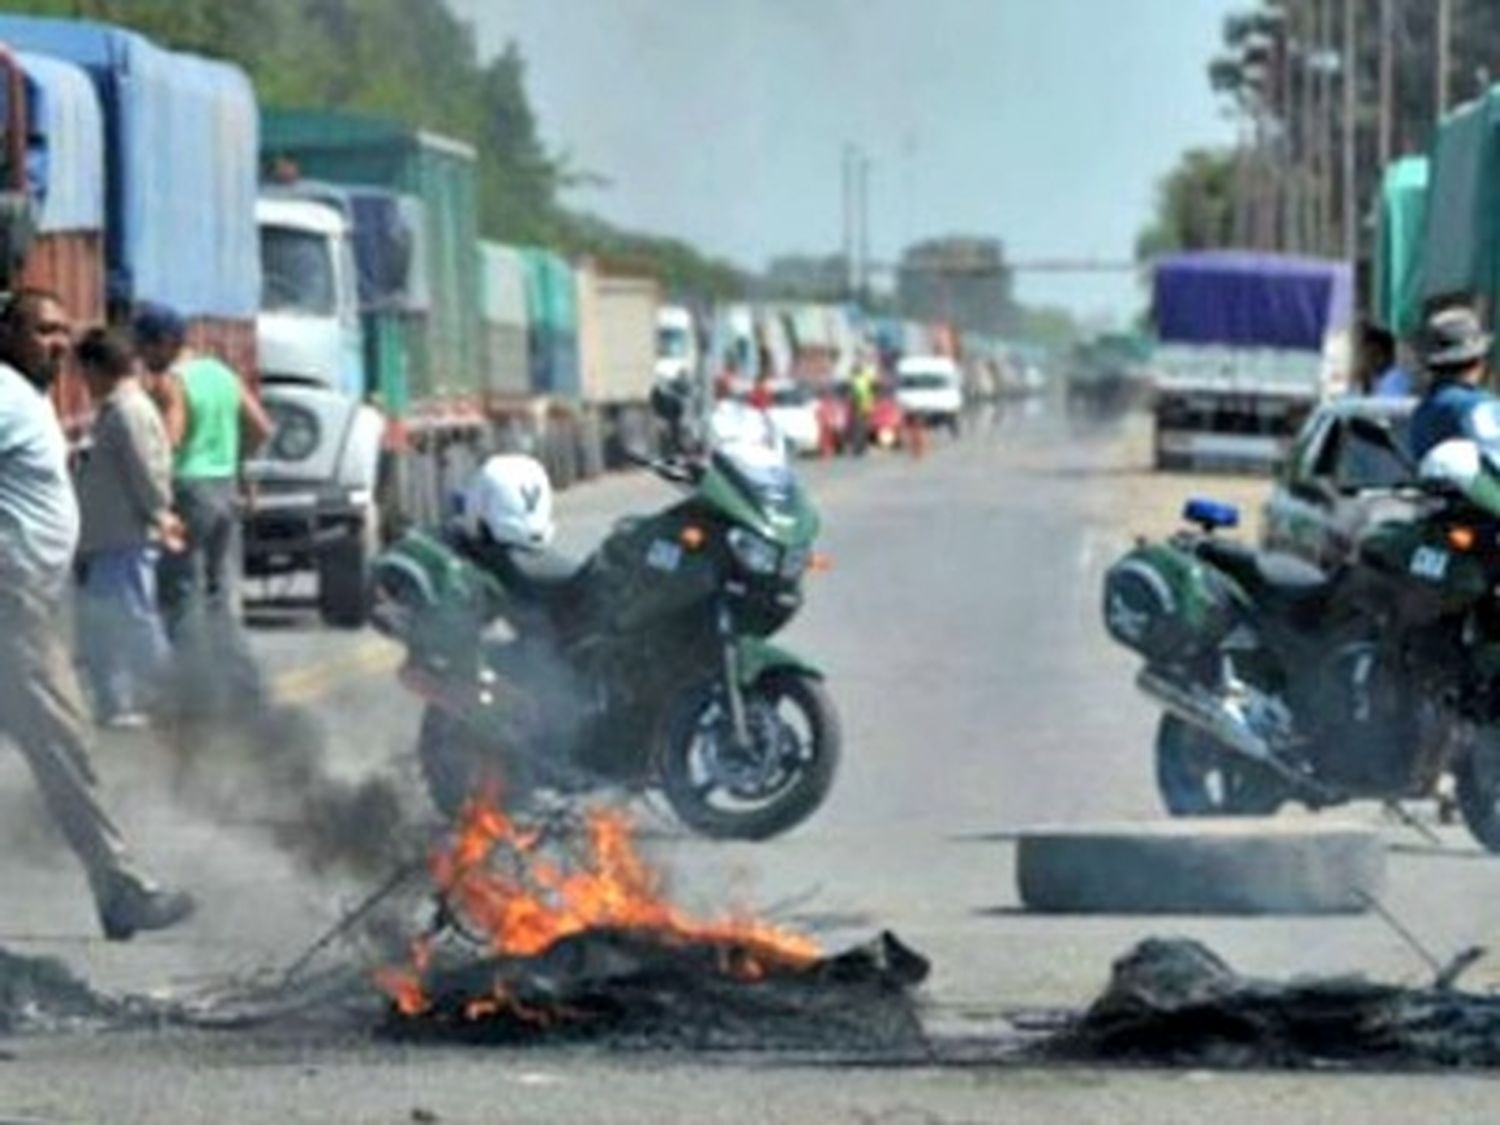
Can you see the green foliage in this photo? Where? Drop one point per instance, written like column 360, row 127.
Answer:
column 1194, row 206
column 415, row 62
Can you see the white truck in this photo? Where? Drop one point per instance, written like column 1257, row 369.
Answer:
column 1249, row 345
column 677, row 352
column 617, row 357
column 314, row 486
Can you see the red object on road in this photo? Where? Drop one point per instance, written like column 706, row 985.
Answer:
column 835, row 416
column 887, row 422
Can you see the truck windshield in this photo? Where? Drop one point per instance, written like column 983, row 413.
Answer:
column 672, row 343
column 925, row 381
column 297, row 272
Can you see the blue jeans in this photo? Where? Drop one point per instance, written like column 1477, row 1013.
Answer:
column 120, row 630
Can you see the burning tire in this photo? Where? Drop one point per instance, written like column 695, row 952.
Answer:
column 767, row 789
column 1201, row 867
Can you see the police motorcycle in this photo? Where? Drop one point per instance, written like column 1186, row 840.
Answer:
column 649, row 665
column 1279, row 682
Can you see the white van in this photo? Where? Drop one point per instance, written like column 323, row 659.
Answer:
column 930, row 390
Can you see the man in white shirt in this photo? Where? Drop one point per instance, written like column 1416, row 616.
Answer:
column 41, row 706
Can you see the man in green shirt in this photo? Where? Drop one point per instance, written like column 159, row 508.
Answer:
column 213, row 422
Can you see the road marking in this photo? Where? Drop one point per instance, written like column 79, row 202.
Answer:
column 371, row 656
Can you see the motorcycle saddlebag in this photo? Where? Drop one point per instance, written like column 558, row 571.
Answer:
column 1164, row 603
column 422, row 587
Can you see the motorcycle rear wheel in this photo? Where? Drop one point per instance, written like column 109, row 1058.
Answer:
column 1197, row 777
column 1477, row 779
column 697, row 727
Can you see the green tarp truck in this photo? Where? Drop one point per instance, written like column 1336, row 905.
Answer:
column 1396, row 276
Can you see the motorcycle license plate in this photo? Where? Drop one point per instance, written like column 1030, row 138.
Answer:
column 1430, row 563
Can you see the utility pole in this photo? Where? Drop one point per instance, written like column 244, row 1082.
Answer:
column 1387, row 78
column 849, row 206
column 1286, row 114
column 1444, row 53
column 1350, row 134
column 864, row 228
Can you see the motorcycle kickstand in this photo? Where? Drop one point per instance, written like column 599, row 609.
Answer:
column 1395, row 809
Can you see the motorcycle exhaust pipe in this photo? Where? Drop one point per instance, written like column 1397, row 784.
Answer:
column 1200, row 708
column 1208, row 713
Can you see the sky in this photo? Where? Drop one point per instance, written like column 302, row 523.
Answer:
column 1044, row 123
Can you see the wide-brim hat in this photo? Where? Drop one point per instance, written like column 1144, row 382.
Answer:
column 1454, row 338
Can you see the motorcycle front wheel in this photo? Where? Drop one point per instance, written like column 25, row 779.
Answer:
column 1198, row 777
column 754, row 792
column 1477, row 779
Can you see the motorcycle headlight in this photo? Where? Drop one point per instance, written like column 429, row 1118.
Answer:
column 755, row 554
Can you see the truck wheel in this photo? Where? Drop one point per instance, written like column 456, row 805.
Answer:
column 344, row 575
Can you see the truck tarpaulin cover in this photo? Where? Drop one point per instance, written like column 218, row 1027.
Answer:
column 1238, row 299
column 1396, row 281
column 65, row 147
column 1463, row 204
column 182, row 137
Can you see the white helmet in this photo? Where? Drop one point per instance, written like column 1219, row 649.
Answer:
column 511, row 496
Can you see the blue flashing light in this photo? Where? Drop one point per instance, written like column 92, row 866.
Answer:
column 1211, row 515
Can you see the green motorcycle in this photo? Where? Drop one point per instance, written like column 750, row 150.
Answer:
column 647, row 667
column 1280, row 682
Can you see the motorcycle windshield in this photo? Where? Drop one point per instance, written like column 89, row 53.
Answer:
column 761, row 473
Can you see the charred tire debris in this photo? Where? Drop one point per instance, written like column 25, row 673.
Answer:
column 1170, row 1002
column 1175, row 1003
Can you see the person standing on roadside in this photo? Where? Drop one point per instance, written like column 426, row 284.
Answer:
column 212, row 422
column 864, row 385
column 41, row 704
column 125, row 499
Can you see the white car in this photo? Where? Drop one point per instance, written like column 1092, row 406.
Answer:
column 930, row 390
column 794, row 412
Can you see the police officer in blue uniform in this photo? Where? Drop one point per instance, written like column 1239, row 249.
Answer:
column 1454, row 350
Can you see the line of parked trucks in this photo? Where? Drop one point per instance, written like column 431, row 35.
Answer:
column 336, row 261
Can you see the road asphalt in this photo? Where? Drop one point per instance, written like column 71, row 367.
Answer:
column 959, row 630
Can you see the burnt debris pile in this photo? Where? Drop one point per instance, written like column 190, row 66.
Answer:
column 655, row 990
column 1175, row 1003
column 39, row 994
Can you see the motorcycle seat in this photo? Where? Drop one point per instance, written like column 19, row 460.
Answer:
column 1271, row 576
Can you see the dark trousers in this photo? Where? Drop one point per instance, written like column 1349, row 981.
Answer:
column 203, row 582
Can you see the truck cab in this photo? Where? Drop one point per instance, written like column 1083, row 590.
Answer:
column 315, row 481
column 676, row 344
column 308, row 328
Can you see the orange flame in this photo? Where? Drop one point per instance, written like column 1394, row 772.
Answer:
column 529, row 901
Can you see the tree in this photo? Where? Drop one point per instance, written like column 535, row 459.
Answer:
column 416, row 63
column 1195, row 205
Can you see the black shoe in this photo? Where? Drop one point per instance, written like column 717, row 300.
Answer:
column 130, row 908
